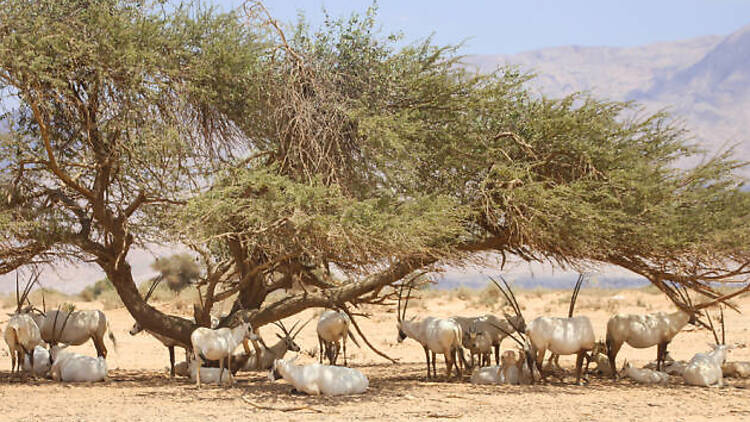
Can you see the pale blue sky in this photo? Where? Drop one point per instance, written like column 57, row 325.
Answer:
column 505, row 27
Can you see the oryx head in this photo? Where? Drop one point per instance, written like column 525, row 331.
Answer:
column 290, row 335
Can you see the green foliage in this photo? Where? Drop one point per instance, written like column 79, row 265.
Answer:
column 94, row 291
column 178, row 270
column 136, row 124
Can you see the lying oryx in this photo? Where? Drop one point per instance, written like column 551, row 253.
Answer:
column 74, row 367
column 704, row 369
column 277, row 351
column 319, row 379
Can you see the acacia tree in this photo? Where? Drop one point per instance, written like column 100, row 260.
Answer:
column 335, row 160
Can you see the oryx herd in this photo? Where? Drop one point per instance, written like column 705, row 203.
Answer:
column 36, row 340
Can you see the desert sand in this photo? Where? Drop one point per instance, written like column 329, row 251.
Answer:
column 139, row 388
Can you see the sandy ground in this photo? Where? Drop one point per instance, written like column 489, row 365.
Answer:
column 140, row 389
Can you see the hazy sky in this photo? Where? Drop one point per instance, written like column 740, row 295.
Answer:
column 503, row 27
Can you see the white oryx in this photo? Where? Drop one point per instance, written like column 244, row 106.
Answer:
column 561, row 336
column 656, row 329
column 704, row 369
column 333, row 330
column 477, row 331
column 508, row 372
column 21, row 333
column 277, row 351
column 41, row 362
column 218, row 344
column 22, row 336
column 168, row 342
column 436, row 335
column 644, row 375
column 75, row 328
column 319, row 379
column 74, row 367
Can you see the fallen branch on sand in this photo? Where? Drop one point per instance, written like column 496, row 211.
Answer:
column 280, row 409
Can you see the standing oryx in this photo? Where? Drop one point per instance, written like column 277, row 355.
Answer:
column 168, row 342
column 22, row 333
column 480, row 335
column 436, row 335
column 333, row 329
column 80, row 327
column 656, row 329
column 561, row 336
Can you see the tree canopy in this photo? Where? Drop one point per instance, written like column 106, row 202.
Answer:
column 338, row 159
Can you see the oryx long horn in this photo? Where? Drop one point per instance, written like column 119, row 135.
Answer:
column 509, row 296
column 508, row 334
column 299, row 330
column 711, row 326
column 574, row 296
column 723, row 331
column 18, row 295
column 408, row 296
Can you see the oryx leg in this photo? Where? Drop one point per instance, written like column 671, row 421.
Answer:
column 198, row 372
column 320, row 350
column 101, row 350
column 540, row 362
column 449, row 362
column 459, row 358
column 13, row 362
column 661, row 354
column 612, row 350
column 229, row 369
column 345, row 362
column 171, row 361
column 579, row 366
column 434, row 359
column 497, row 353
column 221, row 370
column 427, row 358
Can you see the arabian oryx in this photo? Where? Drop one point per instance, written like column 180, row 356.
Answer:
column 656, row 329
column 319, row 379
column 277, row 351
column 436, row 335
column 704, row 369
column 75, row 367
column 22, row 334
column 480, row 335
column 333, row 330
column 168, row 342
column 219, row 344
column 81, row 326
column 561, row 336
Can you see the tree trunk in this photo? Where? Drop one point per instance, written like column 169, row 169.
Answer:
column 147, row 316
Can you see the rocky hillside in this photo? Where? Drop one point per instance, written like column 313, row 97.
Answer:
column 705, row 81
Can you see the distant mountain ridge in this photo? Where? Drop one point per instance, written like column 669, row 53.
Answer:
column 704, row 82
